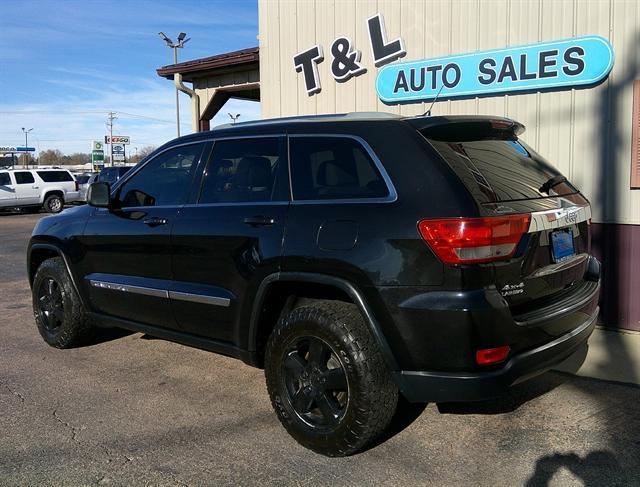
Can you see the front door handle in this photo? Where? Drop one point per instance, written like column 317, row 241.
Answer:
column 155, row 221
column 259, row 221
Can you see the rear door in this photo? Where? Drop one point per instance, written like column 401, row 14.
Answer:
column 27, row 189
column 126, row 260
column 505, row 176
column 7, row 190
column 229, row 238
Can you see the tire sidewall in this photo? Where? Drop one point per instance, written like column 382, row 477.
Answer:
column 54, row 269
column 305, row 322
column 50, row 199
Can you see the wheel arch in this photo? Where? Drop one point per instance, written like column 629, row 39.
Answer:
column 261, row 324
column 38, row 253
column 52, row 191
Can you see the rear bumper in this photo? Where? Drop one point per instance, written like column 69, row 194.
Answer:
column 422, row 386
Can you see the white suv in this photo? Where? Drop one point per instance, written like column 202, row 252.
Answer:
column 33, row 189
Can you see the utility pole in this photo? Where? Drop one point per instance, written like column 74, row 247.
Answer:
column 175, row 46
column 26, row 144
column 110, row 118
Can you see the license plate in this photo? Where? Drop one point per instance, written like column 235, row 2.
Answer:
column 562, row 245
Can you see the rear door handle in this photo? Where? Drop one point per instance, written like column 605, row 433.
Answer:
column 155, row 221
column 259, row 221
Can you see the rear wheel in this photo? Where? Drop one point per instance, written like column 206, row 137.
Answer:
column 54, row 203
column 327, row 379
column 59, row 314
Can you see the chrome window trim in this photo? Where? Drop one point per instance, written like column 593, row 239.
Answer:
column 200, row 298
column 390, row 198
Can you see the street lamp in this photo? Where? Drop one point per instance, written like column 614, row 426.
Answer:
column 234, row 118
column 26, row 144
column 175, row 45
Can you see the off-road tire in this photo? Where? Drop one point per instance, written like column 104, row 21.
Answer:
column 54, row 203
column 372, row 394
column 75, row 328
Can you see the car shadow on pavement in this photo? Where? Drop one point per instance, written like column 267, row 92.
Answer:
column 591, row 470
column 103, row 335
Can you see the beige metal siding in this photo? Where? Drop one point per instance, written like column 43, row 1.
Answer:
column 586, row 133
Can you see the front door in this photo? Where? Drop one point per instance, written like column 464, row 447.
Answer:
column 7, row 190
column 27, row 189
column 127, row 249
column 230, row 237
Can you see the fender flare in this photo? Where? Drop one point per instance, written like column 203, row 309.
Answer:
column 62, row 255
column 352, row 291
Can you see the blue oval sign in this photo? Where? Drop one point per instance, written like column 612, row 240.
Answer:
column 566, row 63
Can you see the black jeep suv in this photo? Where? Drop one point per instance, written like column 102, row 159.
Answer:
column 355, row 257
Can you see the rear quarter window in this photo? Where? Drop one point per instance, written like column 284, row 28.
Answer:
column 55, row 176
column 5, row 180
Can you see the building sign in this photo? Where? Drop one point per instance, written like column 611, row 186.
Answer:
column 117, row 139
column 566, row 63
column 97, row 153
column 97, row 145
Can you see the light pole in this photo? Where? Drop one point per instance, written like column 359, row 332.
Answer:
column 175, row 46
column 234, row 118
column 26, row 144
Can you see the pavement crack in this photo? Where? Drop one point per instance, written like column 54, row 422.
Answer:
column 74, row 430
column 15, row 393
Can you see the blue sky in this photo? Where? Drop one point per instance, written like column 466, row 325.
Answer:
column 65, row 64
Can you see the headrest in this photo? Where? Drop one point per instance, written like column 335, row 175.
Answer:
column 254, row 173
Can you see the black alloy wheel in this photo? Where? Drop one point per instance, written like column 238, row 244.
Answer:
column 51, row 304
column 316, row 382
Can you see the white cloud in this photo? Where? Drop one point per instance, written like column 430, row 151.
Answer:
column 147, row 114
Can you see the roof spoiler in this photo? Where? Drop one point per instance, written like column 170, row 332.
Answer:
column 456, row 126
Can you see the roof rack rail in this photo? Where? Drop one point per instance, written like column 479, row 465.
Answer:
column 314, row 118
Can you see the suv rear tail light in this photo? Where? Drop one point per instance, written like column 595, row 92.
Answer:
column 489, row 356
column 474, row 240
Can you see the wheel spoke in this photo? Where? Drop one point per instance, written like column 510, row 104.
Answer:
column 335, row 379
column 295, row 363
column 50, row 287
column 318, row 353
column 57, row 295
column 301, row 402
column 45, row 302
column 328, row 406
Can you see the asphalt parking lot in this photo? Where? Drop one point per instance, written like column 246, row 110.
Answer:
column 132, row 410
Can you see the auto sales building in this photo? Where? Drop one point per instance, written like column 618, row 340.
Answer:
column 569, row 70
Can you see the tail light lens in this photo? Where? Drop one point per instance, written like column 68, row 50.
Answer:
column 489, row 356
column 474, row 240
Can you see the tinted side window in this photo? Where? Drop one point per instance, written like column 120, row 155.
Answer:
column 55, row 176
column 164, row 180
column 242, row 170
column 5, row 180
column 24, row 177
column 333, row 168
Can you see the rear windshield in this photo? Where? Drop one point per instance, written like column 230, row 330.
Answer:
column 55, row 176
column 499, row 169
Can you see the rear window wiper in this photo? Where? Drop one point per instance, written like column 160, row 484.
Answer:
column 554, row 181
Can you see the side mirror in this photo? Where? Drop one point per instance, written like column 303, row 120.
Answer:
column 99, row 195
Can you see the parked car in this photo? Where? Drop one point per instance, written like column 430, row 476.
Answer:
column 84, row 180
column 357, row 258
column 33, row 189
column 112, row 174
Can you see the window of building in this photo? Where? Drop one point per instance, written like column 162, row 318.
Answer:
column 55, row 176
column 24, row 177
column 242, row 170
column 163, row 181
column 333, row 168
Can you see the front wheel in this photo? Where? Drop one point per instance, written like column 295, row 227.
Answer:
column 327, row 379
column 58, row 311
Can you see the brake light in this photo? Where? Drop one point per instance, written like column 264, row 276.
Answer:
column 488, row 356
column 474, row 240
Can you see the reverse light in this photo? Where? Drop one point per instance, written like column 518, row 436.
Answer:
column 474, row 240
column 489, row 356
